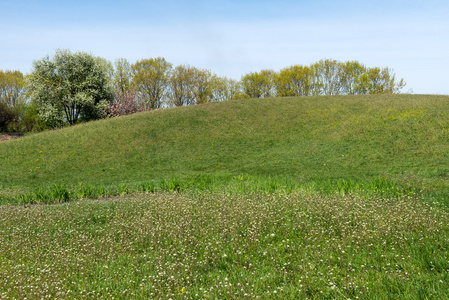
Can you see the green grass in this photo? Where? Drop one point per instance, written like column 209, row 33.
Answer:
column 235, row 185
column 291, row 198
column 402, row 138
column 219, row 246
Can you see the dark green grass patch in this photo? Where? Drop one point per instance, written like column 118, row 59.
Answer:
column 240, row 185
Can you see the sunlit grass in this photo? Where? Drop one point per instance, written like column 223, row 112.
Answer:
column 402, row 137
column 298, row 198
column 208, row 245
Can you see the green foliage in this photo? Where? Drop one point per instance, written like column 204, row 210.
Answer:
column 380, row 81
column 21, row 117
column 294, row 81
column 69, row 86
column 123, row 77
column 224, row 88
column 150, row 80
column 202, row 86
column 30, row 120
column 259, row 84
column 352, row 72
column 12, row 91
column 328, row 77
column 12, row 100
column 190, row 85
column 55, row 194
column 181, row 86
column 8, row 117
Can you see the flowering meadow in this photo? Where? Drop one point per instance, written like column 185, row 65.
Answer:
column 220, row 246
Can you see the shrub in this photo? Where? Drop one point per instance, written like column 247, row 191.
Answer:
column 124, row 104
column 9, row 116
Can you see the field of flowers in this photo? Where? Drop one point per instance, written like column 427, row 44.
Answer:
column 219, row 246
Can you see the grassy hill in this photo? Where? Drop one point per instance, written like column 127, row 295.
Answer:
column 323, row 236
column 308, row 139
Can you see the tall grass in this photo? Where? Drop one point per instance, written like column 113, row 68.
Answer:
column 240, row 185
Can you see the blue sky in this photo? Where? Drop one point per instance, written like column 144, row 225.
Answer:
column 232, row 38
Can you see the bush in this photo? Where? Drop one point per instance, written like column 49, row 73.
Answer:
column 30, row 120
column 9, row 116
column 124, row 104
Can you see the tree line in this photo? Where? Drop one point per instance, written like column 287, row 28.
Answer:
column 69, row 88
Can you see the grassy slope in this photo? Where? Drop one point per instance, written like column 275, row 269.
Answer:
column 212, row 245
column 403, row 137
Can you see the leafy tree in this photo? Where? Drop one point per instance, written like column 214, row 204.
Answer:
column 219, row 89
column 381, row 81
column 69, row 86
column 329, row 74
column 181, row 86
column 190, row 85
column 108, row 69
column 151, row 80
column 12, row 99
column 252, row 85
column 12, row 88
column 30, row 119
column 106, row 66
column 92, row 113
column 259, row 85
column 352, row 76
column 123, row 77
column 224, row 88
column 202, row 85
column 294, row 81
column 329, row 77
column 234, row 90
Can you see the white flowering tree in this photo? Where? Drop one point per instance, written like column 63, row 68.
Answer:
column 69, row 86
